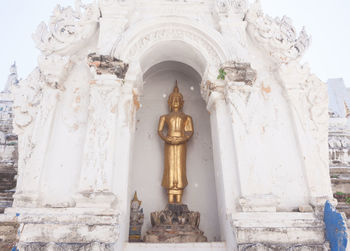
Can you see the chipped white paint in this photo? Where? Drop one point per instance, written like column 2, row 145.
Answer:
column 76, row 127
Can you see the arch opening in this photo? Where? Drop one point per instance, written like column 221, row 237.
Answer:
column 174, row 50
column 148, row 153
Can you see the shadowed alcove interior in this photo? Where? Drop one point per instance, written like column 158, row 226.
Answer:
column 148, row 154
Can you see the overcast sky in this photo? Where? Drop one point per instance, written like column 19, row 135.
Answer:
column 327, row 21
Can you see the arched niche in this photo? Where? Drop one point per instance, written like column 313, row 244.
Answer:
column 148, row 153
column 201, row 50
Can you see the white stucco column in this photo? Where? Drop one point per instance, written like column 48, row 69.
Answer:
column 225, row 161
column 128, row 105
column 256, row 192
column 96, row 175
column 102, row 143
column 316, row 170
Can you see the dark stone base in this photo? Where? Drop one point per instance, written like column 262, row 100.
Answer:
column 175, row 224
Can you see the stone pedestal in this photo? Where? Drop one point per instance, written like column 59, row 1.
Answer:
column 175, row 224
column 78, row 229
column 278, row 231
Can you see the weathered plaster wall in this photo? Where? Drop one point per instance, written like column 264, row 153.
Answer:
column 269, row 159
column 69, row 125
column 147, row 166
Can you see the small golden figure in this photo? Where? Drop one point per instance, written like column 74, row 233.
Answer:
column 179, row 131
column 136, row 219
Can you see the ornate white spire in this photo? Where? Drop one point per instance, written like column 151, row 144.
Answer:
column 12, row 79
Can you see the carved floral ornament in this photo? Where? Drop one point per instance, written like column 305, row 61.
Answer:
column 67, row 28
column 277, row 36
column 55, row 69
column 28, row 95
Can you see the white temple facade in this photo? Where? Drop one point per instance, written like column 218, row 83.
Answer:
column 86, row 120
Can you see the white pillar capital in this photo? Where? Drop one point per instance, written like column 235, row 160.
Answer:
column 214, row 98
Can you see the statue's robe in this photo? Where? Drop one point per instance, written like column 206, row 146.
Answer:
column 174, row 176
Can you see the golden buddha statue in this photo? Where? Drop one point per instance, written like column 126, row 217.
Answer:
column 179, row 131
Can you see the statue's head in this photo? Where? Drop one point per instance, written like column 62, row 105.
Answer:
column 176, row 99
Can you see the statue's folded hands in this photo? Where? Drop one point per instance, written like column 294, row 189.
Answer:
column 176, row 140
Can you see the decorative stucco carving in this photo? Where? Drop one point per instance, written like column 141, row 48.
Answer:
column 34, row 106
column 239, row 5
column 27, row 97
column 108, row 65
column 35, row 101
column 223, row 6
column 317, row 99
column 55, row 69
column 276, row 36
column 172, row 32
column 67, row 29
column 207, row 87
column 234, row 6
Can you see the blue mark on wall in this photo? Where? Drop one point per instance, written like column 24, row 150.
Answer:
column 335, row 228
